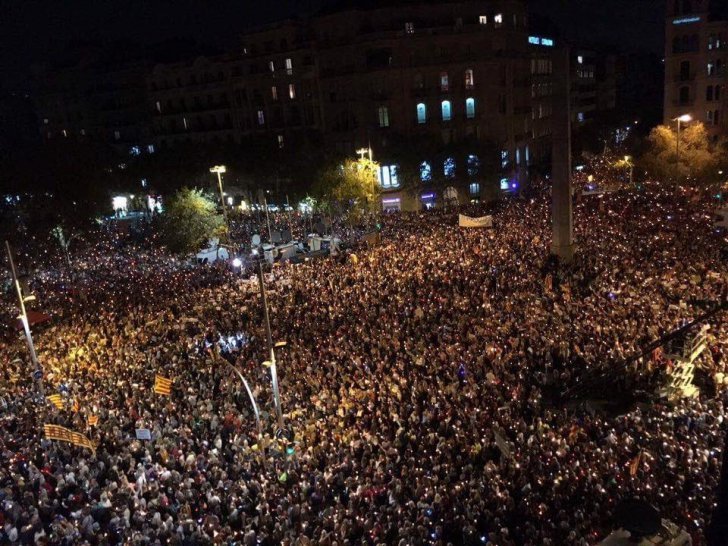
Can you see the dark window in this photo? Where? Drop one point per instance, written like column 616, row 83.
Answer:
column 684, row 70
column 684, row 95
column 709, row 93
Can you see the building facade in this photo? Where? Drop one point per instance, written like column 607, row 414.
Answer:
column 461, row 88
column 696, row 53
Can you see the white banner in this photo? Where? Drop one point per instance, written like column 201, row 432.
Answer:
column 482, row 222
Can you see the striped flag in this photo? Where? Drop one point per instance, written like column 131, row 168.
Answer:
column 162, row 385
column 56, row 400
column 76, row 406
column 62, row 434
column 93, row 420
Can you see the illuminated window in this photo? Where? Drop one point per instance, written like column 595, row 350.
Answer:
column 272, row 66
column 274, row 92
column 159, row 108
column 444, row 81
column 470, row 108
column 261, row 117
column 45, row 120
column 117, row 135
column 83, row 132
column 504, row 183
column 135, row 150
column 291, row 91
column 580, row 59
column 528, row 155
column 711, row 70
column 387, row 176
column 289, row 66
column 409, row 28
column 425, row 171
column 150, row 148
column 580, row 117
column 469, row 79
column 280, row 141
column 483, row 19
column 446, row 111
column 498, row 20
column 184, row 122
column 474, row 188
column 383, row 113
column 504, row 159
column 421, row 113
column 448, row 167
column 473, row 165
column 144, row 182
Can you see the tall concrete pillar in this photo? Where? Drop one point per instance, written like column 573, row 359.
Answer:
column 562, row 240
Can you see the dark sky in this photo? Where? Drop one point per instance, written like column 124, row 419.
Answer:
column 38, row 30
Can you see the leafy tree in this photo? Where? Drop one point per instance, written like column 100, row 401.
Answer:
column 698, row 159
column 350, row 186
column 190, row 219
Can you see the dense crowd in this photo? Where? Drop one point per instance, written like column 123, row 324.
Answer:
column 421, row 380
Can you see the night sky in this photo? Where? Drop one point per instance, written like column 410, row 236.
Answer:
column 33, row 31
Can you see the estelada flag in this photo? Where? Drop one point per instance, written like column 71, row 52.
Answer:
column 93, row 420
column 162, row 385
column 56, row 400
column 635, row 464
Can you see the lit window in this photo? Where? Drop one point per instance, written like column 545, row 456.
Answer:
column 393, row 175
column 280, row 141
column 272, row 66
column 291, row 91
column 470, row 108
column 421, row 113
column 117, row 135
column 483, row 19
column 548, row 42
column 504, row 183
column 473, row 165
column 425, row 172
column 135, row 150
column 83, row 132
column 45, row 120
column 528, row 155
column 580, row 59
column 711, row 69
column 387, row 176
column 409, row 28
column 474, row 188
column 383, row 113
column 444, row 81
column 261, row 117
column 64, row 132
column 469, row 79
column 144, row 182
column 448, row 167
column 184, row 122
column 159, row 107
column 446, row 112
column 289, row 66
column 504, row 159
column 498, row 20
column 274, row 92
column 580, row 117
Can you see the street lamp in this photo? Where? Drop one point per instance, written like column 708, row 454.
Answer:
column 685, row 118
column 628, row 162
column 271, row 363
column 219, row 170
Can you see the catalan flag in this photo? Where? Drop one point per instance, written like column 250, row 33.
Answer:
column 56, row 400
column 162, row 385
column 93, row 420
column 76, row 406
column 62, row 434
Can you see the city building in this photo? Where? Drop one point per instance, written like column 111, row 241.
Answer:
column 696, row 47
column 451, row 98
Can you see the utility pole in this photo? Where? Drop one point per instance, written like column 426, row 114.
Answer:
column 37, row 370
column 269, row 336
column 267, row 220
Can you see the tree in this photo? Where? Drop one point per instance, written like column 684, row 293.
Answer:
column 64, row 241
column 350, row 186
column 190, row 219
column 696, row 160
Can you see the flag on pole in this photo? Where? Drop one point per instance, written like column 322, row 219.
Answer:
column 162, row 385
column 56, row 400
column 93, row 420
column 635, row 465
column 62, row 434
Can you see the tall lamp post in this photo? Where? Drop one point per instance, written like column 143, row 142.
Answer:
column 37, row 370
column 219, row 170
column 272, row 362
column 630, row 164
column 685, row 118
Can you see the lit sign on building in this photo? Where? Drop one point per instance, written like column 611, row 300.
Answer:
column 537, row 40
column 685, row 20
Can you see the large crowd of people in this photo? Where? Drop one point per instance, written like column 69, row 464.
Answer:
column 422, row 387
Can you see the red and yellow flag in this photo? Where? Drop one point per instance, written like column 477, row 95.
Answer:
column 62, row 434
column 56, row 400
column 93, row 420
column 162, row 385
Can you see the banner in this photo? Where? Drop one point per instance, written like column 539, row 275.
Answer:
column 143, row 434
column 93, row 420
column 502, row 444
column 469, row 222
column 62, row 434
column 162, row 385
